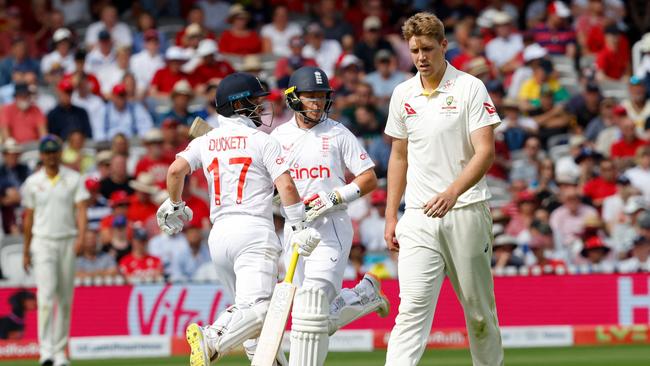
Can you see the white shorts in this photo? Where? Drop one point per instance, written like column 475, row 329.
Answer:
column 246, row 251
column 325, row 266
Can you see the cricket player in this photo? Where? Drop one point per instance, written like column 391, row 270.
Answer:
column 241, row 165
column 54, row 198
column 442, row 123
column 318, row 150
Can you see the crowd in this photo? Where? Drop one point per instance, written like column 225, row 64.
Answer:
column 570, row 80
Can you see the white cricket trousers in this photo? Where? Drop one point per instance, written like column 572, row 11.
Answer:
column 459, row 246
column 53, row 262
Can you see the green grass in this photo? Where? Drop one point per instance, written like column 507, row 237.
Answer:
column 635, row 355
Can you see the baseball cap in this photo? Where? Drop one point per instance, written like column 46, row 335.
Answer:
column 140, row 234
column 65, row 85
column 383, row 55
column 594, row 242
column 592, row 86
column 237, row 10
column 193, row 29
column 182, row 87
column 207, row 47
column 623, row 180
column 619, row 111
column 588, row 153
column 495, row 86
column 61, row 34
column 119, row 221
column 118, row 198
column 104, row 35
column 49, row 143
column 119, row 89
column 501, row 18
column 175, row 53
column 533, row 52
column 526, row 196
column 372, row 23
column 153, row 135
column 104, row 156
column 559, row 8
column 350, row 60
column 10, row 146
column 92, row 184
column 314, row 28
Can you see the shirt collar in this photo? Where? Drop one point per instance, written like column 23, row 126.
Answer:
column 239, row 120
column 446, row 83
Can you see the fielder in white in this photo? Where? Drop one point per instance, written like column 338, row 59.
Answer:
column 241, row 165
column 318, row 150
column 442, row 122
column 54, row 198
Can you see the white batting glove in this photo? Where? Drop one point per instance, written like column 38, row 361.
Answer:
column 306, row 241
column 320, row 204
column 171, row 215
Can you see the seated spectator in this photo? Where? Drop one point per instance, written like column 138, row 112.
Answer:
column 612, row 208
column 285, row 66
column 154, row 162
column 550, row 117
column 531, row 56
column 599, row 188
column 141, row 204
column 385, row 77
column 276, row 35
column 103, row 164
column 118, row 179
column 503, row 50
column 61, row 56
column 527, row 167
column 540, row 243
column 181, row 97
column 12, row 175
column 211, row 68
column 146, row 62
column 334, row 25
column 279, row 115
column 568, row 221
column 371, row 43
column 218, row 10
column 515, row 127
column 145, row 28
column 640, row 174
column 325, row 52
column 471, row 49
column 192, row 257
column 119, row 32
column 74, row 156
column 67, row 117
column 611, row 134
column 97, row 205
column 587, row 161
column 92, row 262
column 239, row 39
column 523, row 218
column 19, row 75
column 80, row 74
column 595, row 252
column 624, row 150
column 18, row 58
column 355, row 269
column 531, row 91
column 115, row 73
column 590, row 28
column 84, row 97
column 119, row 241
column 172, row 142
column 626, row 227
column 166, row 248
column 586, row 105
column 503, row 252
column 122, row 116
column 613, row 60
column 638, row 104
column 101, row 56
column 371, row 238
column 165, row 78
column 139, row 265
column 14, row 27
column 557, row 34
column 639, row 261
column 22, row 120
column 362, row 96
column 601, row 121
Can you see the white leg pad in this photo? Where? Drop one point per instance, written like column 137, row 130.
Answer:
column 235, row 325
column 309, row 328
column 352, row 304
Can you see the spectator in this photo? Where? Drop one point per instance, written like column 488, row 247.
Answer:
column 172, row 142
column 611, row 134
column 116, row 73
column 362, row 96
column 385, row 77
column 218, row 11
column 119, row 32
column 193, row 35
column 74, row 11
column 370, row 43
column 101, row 56
column 541, row 242
column 142, row 207
column 146, row 27
column 279, row 115
column 557, row 35
column 638, row 105
column 504, row 49
column 503, row 252
column 20, row 75
column 67, row 117
column 117, row 242
column 379, row 152
column 103, row 160
column 84, row 98
column 18, row 58
column 117, row 180
column 371, row 238
column 599, row 188
column 12, row 175
column 590, row 27
column 625, row 229
column 643, row 224
column 195, row 15
column 613, row 60
column 139, row 265
column 13, row 28
column 333, row 24
column 166, row 248
column 624, row 150
column 639, row 261
column 285, row 66
column 601, row 121
column 22, row 120
column 532, row 55
column 79, row 73
column 527, row 167
column 211, row 68
column 193, row 256
column 97, row 207
column 472, row 49
column 550, row 116
column 586, row 105
column 515, row 127
column 74, row 156
column 530, row 93
column 276, row 35
column 568, row 220
column 587, row 160
column 239, row 40
column 146, row 62
column 122, row 116
column 595, row 252
column 61, row 56
column 612, row 208
column 349, row 74
column 324, row 51
column 523, row 218
column 181, row 96
column 165, row 78
column 92, row 262
column 640, row 174
column 154, row 162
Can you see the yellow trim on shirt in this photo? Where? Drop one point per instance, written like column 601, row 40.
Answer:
column 53, row 180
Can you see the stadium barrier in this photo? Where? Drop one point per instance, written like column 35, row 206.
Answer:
column 534, row 311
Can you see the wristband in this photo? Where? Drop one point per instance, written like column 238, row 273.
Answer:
column 294, row 213
column 349, row 192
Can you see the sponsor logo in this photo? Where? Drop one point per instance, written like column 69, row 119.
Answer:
column 325, row 144
column 124, row 346
column 632, row 303
column 363, row 156
column 622, row 334
column 319, row 171
column 449, row 100
column 279, row 160
column 409, row 110
column 18, row 349
column 448, row 84
column 318, row 77
column 489, row 108
column 334, row 260
column 287, row 147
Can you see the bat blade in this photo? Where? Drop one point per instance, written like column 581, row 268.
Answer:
column 274, row 324
column 199, row 127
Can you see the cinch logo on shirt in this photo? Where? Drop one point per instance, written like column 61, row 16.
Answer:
column 489, row 108
column 409, row 110
column 319, row 171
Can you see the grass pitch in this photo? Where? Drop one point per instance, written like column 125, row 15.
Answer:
column 634, row 355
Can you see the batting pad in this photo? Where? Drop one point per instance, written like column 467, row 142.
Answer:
column 237, row 324
column 309, row 328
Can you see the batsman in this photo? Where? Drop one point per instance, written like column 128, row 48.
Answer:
column 318, row 150
column 241, row 165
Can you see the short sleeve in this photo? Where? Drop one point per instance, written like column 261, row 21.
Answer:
column 481, row 109
column 81, row 194
column 356, row 158
column 395, row 125
column 27, row 194
column 272, row 157
column 192, row 153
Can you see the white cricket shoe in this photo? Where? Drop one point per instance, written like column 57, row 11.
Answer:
column 374, row 293
column 200, row 350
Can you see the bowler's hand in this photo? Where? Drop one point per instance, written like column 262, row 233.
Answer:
column 439, row 205
column 389, row 236
column 27, row 262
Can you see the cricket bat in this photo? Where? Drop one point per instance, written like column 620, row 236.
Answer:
column 199, row 127
column 276, row 317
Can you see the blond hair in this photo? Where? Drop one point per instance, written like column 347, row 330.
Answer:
column 424, row 24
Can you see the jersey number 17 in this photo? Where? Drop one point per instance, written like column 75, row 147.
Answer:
column 214, row 169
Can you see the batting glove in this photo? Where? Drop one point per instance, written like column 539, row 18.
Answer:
column 171, row 215
column 320, row 204
column 306, row 241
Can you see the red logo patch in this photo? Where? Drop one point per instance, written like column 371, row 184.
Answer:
column 279, row 160
column 363, row 156
column 409, row 110
column 489, row 108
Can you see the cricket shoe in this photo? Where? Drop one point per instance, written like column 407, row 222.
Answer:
column 383, row 306
column 200, row 354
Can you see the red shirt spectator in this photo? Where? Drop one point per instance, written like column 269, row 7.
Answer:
column 614, row 58
column 200, row 210
column 627, row 149
column 239, row 40
column 155, row 162
column 163, row 80
column 144, row 266
column 141, row 208
column 218, row 70
column 22, row 120
column 598, row 188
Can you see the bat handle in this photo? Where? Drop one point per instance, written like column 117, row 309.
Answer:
column 288, row 278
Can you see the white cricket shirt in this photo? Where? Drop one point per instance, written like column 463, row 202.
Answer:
column 318, row 156
column 240, row 164
column 54, row 202
column 438, row 129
